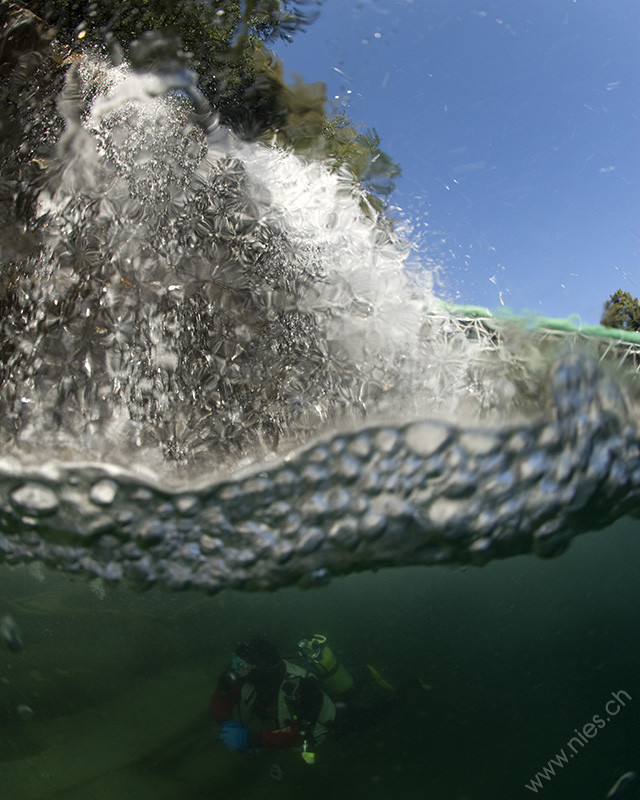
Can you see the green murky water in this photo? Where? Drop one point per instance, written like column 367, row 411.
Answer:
column 519, row 654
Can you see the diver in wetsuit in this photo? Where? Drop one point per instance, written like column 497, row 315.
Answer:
column 266, row 701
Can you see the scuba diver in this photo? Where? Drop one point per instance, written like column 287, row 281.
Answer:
column 266, row 701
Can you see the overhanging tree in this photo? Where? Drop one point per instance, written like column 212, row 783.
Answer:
column 226, row 42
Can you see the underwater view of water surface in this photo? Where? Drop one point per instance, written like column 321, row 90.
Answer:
column 239, row 403
column 518, row 656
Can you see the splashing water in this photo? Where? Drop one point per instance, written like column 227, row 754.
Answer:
column 207, row 297
column 232, row 323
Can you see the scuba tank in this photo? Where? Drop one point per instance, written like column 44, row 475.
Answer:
column 320, row 660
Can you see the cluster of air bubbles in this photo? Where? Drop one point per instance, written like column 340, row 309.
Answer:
column 425, row 492
column 194, row 296
column 196, row 299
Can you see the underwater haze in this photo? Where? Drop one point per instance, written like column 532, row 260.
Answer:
column 233, row 404
column 518, row 655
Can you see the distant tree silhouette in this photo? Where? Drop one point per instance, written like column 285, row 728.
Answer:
column 621, row 311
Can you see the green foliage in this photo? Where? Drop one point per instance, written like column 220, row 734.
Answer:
column 271, row 19
column 207, row 34
column 225, row 42
column 621, row 311
column 361, row 154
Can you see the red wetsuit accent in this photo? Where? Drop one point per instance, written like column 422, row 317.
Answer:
column 221, row 706
column 281, row 738
column 222, row 703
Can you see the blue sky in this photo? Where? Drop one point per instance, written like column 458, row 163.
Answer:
column 516, row 124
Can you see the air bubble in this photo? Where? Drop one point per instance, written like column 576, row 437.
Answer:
column 479, row 443
column 10, row 632
column 426, row 438
column 187, row 504
column 386, row 440
column 24, row 711
column 34, row 499
column 103, row 493
column 345, row 533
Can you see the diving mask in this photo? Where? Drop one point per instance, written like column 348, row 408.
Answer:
column 239, row 666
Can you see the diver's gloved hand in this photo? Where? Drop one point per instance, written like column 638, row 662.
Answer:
column 234, row 735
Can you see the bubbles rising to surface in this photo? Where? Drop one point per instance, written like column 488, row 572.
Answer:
column 224, row 320
column 194, row 298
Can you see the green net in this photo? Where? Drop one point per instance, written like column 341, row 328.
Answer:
column 492, row 330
